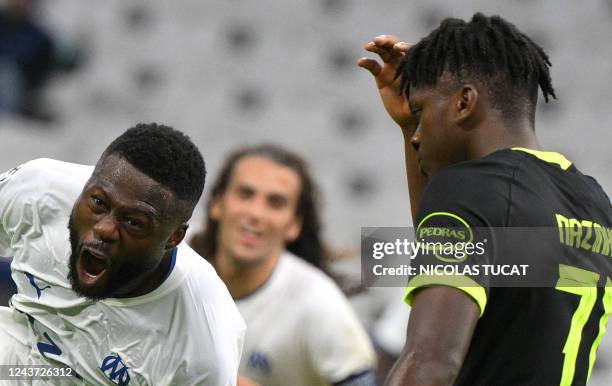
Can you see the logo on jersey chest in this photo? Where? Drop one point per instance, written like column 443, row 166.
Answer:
column 38, row 289
column 260, row 361
column 115, row 370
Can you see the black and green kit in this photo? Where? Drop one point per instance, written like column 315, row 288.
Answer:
column 542, row 328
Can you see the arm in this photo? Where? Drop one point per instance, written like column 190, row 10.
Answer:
column 391, row 51
column 435, row 346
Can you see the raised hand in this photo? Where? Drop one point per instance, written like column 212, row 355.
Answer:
column 391, row 51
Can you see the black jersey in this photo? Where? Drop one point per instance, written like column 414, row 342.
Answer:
column 526, row 335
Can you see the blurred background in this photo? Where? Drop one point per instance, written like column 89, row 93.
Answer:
column 75, row 74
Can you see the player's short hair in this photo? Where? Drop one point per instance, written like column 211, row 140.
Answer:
column 308, row 245
column 487, row 50
column 166, row 155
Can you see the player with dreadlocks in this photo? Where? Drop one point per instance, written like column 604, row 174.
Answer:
column 465, row 98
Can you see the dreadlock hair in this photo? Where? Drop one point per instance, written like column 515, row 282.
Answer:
column 488, row 50
column 308, row 245
column 166, row 155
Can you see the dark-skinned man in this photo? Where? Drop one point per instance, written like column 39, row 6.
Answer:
column 107, row 293
column 465, row 99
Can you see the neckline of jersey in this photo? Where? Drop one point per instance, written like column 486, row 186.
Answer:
column 267, row 283
column 170, row 281
column 547, row 156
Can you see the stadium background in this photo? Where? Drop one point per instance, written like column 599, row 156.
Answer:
column 239, row 72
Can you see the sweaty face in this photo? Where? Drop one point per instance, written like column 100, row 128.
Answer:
column 118, row 231
column 256, row 213
column 438, row 142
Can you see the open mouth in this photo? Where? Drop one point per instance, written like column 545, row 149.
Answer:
column 91, row 267
column 249, row 235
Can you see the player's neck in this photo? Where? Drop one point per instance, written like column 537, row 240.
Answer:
column 491, row 139
column 242, row 279
column 152, row 280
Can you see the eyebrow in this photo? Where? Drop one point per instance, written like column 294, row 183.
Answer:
column 269, row 196
column 141, row 207
column 278, row 197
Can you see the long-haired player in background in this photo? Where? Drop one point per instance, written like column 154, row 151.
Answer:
column 263, row 236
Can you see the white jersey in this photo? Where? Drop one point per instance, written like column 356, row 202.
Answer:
column 186, row 332
column 301, row 330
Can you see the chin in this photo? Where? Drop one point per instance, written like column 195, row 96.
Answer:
column 248, row 257
column 98, row 291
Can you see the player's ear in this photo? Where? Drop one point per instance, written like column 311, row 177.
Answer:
column 466, row 103
column 177, row 236
column 294, row 229
column 214, row 209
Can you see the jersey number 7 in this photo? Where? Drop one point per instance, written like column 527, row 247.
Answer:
column 583, row 283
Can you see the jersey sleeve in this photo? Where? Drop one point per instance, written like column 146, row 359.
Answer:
column 459, row 210
column 14, row 212
column 337, row 344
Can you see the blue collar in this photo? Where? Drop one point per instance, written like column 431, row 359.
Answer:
column 172, row 263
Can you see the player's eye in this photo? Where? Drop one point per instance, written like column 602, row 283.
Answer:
column 97, row 203
column 244, row 193
column 277, row 202
column 134, row 223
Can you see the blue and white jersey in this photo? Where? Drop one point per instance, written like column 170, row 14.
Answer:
column 186, row 332
column 302, row 330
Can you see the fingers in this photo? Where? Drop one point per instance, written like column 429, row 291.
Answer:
column 402, row 47
column 388, row 47
column 370, row 64
column 386, row 41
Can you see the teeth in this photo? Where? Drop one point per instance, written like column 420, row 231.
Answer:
column 250, row 231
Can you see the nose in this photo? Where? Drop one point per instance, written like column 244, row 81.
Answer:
column 255, row 209
column 107, row 229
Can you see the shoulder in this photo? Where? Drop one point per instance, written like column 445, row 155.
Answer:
column 490, row 173
column 44, row 166
column 40, row 192
column 209, row 300
column 319, row 295
column 40, row 175
column 305, row 277
column 478, row 188
column 216, row 327
column 202, row 278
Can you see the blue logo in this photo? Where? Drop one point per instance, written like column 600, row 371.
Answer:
column 115, row 370
column 260, row 361
column 38, row 289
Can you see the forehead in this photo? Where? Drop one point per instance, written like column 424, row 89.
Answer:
column 128, row 185
column 265, row 175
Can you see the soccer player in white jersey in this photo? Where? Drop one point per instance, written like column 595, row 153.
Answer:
column 105, row 286
column 262, row 235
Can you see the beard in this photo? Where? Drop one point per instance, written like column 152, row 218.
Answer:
column 91, row 293
column 121, row 276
